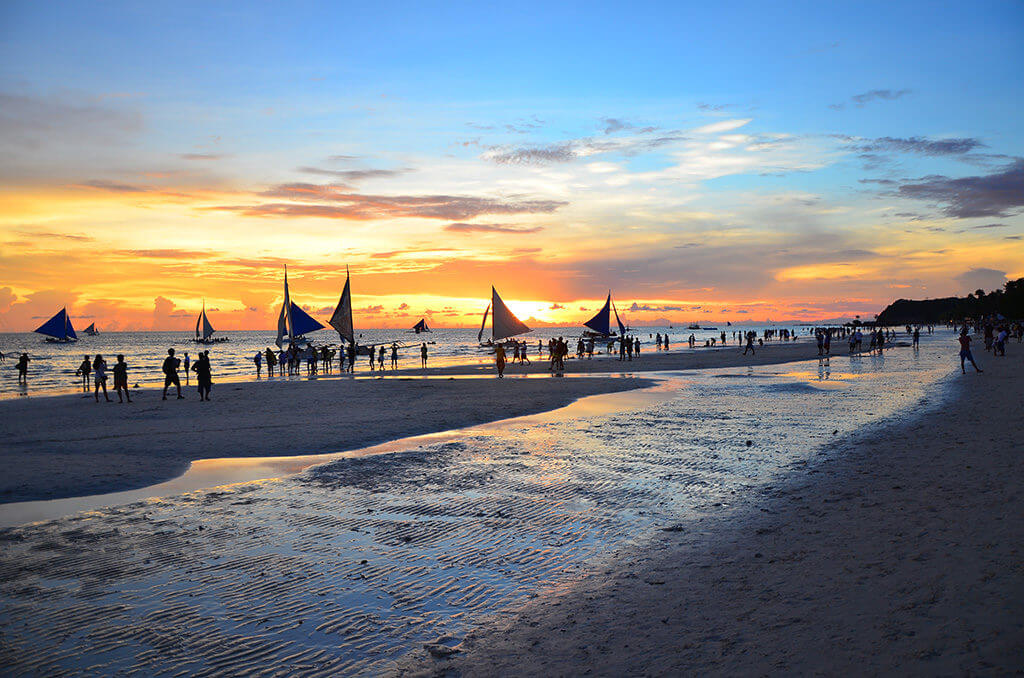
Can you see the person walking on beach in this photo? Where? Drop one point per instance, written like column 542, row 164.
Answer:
column 204, row 375
column 750, row 344
column 423, row 355
column 373, row 355
column 99, row 371
column 121, row 378
column 84, row 369
column 394, row 356
column 965, row 351
column 499, row 360
column 170, row 369
column 917, row 337
column 380, row 358
column 23, row 369
column 352, row 356
column 258, row 359
column 188, row 362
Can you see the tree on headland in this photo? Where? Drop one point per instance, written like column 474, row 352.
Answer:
column 1008, row 302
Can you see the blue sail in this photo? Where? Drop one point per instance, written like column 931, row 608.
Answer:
column 302, row 322
column 601, row 323
column 59, row 326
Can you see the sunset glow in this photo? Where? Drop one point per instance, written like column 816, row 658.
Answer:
column 696, row 179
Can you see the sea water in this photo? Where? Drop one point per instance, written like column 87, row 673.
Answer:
column 53, row 366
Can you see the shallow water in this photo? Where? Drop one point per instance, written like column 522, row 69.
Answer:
column 52, row 367
column 345, row 566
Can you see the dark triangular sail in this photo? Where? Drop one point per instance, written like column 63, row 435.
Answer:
column 601, row 323
column 483, row 324
column 59, row 326
column 342, row 318
column 302, row 322
column 504, row 323
column 622, row 328
column 421, row 326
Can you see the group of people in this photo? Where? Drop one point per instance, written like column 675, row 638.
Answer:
column 202, row 368
column 98, row 368
column 321, row 358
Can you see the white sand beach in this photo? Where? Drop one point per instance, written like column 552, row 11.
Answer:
column 900, row 553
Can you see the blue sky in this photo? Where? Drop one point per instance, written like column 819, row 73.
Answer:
column 666, row 122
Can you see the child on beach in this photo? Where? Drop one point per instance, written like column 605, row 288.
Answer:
column 121, row 378
column 84, row 369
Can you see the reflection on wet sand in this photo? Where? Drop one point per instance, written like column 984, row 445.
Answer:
column 344, row 566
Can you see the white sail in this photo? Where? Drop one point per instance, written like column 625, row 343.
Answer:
column 207, row 327
column 504, row 323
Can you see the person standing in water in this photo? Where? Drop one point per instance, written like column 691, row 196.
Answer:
column 394, row 356
column 499, row 360
column 23, row 369
column 965, row 351
column 423, row 355
column 170, row 369
column 258, row 359
column 99, row 371
column 204, row 375
column 84, row 369
column 188, row 362
column 380, row 358
column 121, row 378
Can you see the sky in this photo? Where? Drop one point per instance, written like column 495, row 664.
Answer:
column 703, row 161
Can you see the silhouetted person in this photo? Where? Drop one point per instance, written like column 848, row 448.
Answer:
column 170, row 369
column 121, row 378
column 965, row 351
column 423, row 356
column 23, row 369
column 188, row 362
column 258, row 359
column 499, row 360
column 84, row 369
column 99, row 372
column 204, row 375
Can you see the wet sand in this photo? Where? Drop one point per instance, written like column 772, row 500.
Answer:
column 900, row 553
column 66, row 446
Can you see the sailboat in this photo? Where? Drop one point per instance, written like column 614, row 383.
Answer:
column 91, row 330
column 341, row 319
column 504, row 323
column 421, row 326
column 293, row 323
column 58, row 329
column 204, row 330
column 600, row 326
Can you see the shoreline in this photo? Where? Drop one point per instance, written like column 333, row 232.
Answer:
column 679, row 358
column 112, row 447
column 899, row 549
